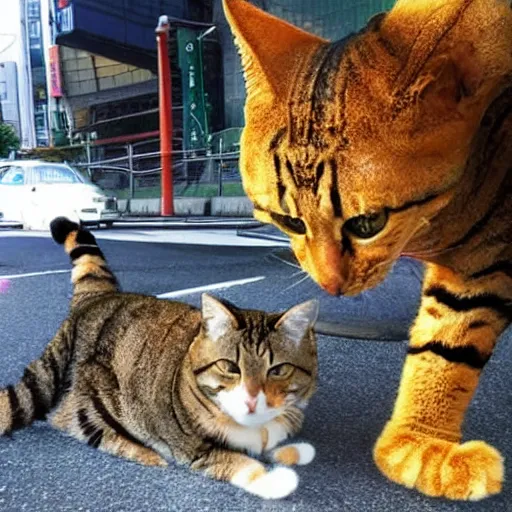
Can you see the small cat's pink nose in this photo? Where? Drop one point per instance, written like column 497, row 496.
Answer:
column 251, row 404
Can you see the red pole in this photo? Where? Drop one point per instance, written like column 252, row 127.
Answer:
column 165, row 104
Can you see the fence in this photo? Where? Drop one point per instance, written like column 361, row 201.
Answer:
column 132, row 170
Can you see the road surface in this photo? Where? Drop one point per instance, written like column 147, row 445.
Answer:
column 42, row 470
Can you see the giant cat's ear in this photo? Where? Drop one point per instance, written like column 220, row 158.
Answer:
column 271, row 49
column 448, row 50
column 446, row 81
column 296, row 322
column 218, row 320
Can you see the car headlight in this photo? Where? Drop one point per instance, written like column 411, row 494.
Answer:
column 100, row 199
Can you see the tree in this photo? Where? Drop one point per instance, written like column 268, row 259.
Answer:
column 8, row 140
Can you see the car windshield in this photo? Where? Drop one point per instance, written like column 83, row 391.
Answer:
column 57, row 174
column 11, row 176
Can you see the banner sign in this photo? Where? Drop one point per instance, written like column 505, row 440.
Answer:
column 55, row 74
column 195, row 129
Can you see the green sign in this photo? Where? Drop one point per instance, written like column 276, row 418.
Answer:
column 190, row 60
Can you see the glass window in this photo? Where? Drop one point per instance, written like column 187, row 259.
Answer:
column 33, row 9
column 34, row 29
column 55, row 174
column 12, row 176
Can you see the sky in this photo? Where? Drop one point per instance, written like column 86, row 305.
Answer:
column 9, row 30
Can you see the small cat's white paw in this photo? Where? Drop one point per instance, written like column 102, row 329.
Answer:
column 298, row 454
column 272, row 485
column 275, row 484
column 306, row 451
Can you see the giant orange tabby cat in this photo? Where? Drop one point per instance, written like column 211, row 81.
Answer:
column 397, row 140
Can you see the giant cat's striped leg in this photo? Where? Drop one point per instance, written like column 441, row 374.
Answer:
column 453, row 337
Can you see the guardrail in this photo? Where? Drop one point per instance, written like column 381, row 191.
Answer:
column 136, row 174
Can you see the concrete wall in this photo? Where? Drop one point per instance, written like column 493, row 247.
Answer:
column 195, row 206
column 231, row 207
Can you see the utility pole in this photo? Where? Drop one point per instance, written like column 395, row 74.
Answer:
column 165, row 105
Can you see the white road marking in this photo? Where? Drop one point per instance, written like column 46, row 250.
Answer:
column 210, row 237
column 208, row 287
column 34, row 274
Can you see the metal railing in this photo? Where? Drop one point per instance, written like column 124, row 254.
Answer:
column 132, row 171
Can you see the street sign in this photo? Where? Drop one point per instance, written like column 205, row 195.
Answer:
column 195, row 122
column 64, row 16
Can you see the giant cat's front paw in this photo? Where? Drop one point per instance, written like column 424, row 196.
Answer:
column 468, row 471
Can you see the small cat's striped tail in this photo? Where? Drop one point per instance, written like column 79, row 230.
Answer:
column 40, row 388
column 90, row 274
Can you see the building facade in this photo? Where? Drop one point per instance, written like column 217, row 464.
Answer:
column 9, row 95
column 36, row 52
column 108, row 63
column 16, row 93
column 88, row 68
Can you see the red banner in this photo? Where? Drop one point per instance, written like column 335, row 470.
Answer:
column 55, row 75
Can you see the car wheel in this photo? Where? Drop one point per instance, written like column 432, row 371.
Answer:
column 109, row 224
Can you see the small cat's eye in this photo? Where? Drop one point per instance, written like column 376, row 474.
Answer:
column 209, row 391
column 367, row 226
column 226, row 366
column 281, row 371
column 293, row 224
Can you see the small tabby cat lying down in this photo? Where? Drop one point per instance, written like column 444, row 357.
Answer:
column 152, row 380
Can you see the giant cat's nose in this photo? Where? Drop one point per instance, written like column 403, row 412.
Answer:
column 324, row 264
column 332, row 287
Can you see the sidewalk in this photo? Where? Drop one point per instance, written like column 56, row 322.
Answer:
column 177, row 222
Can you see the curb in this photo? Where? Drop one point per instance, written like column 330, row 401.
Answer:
column 187, row 223
column 10, row 225
column 387, row 332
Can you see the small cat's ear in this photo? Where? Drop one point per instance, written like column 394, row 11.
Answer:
column 218, row 320
column 270, row 48
column 296, row 322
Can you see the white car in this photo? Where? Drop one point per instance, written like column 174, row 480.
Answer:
column 35, row 192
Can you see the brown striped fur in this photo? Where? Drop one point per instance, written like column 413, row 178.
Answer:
column 393, row 141
column 143, row 378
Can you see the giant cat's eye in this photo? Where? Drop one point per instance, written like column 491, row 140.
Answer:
column 281, row 371
column 293, row 224
column 367, row 226
column 228, row 367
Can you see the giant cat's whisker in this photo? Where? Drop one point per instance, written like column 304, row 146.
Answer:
column 300, row 281
column 281, row 260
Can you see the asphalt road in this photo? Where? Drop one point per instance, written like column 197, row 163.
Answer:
column 42, row 470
